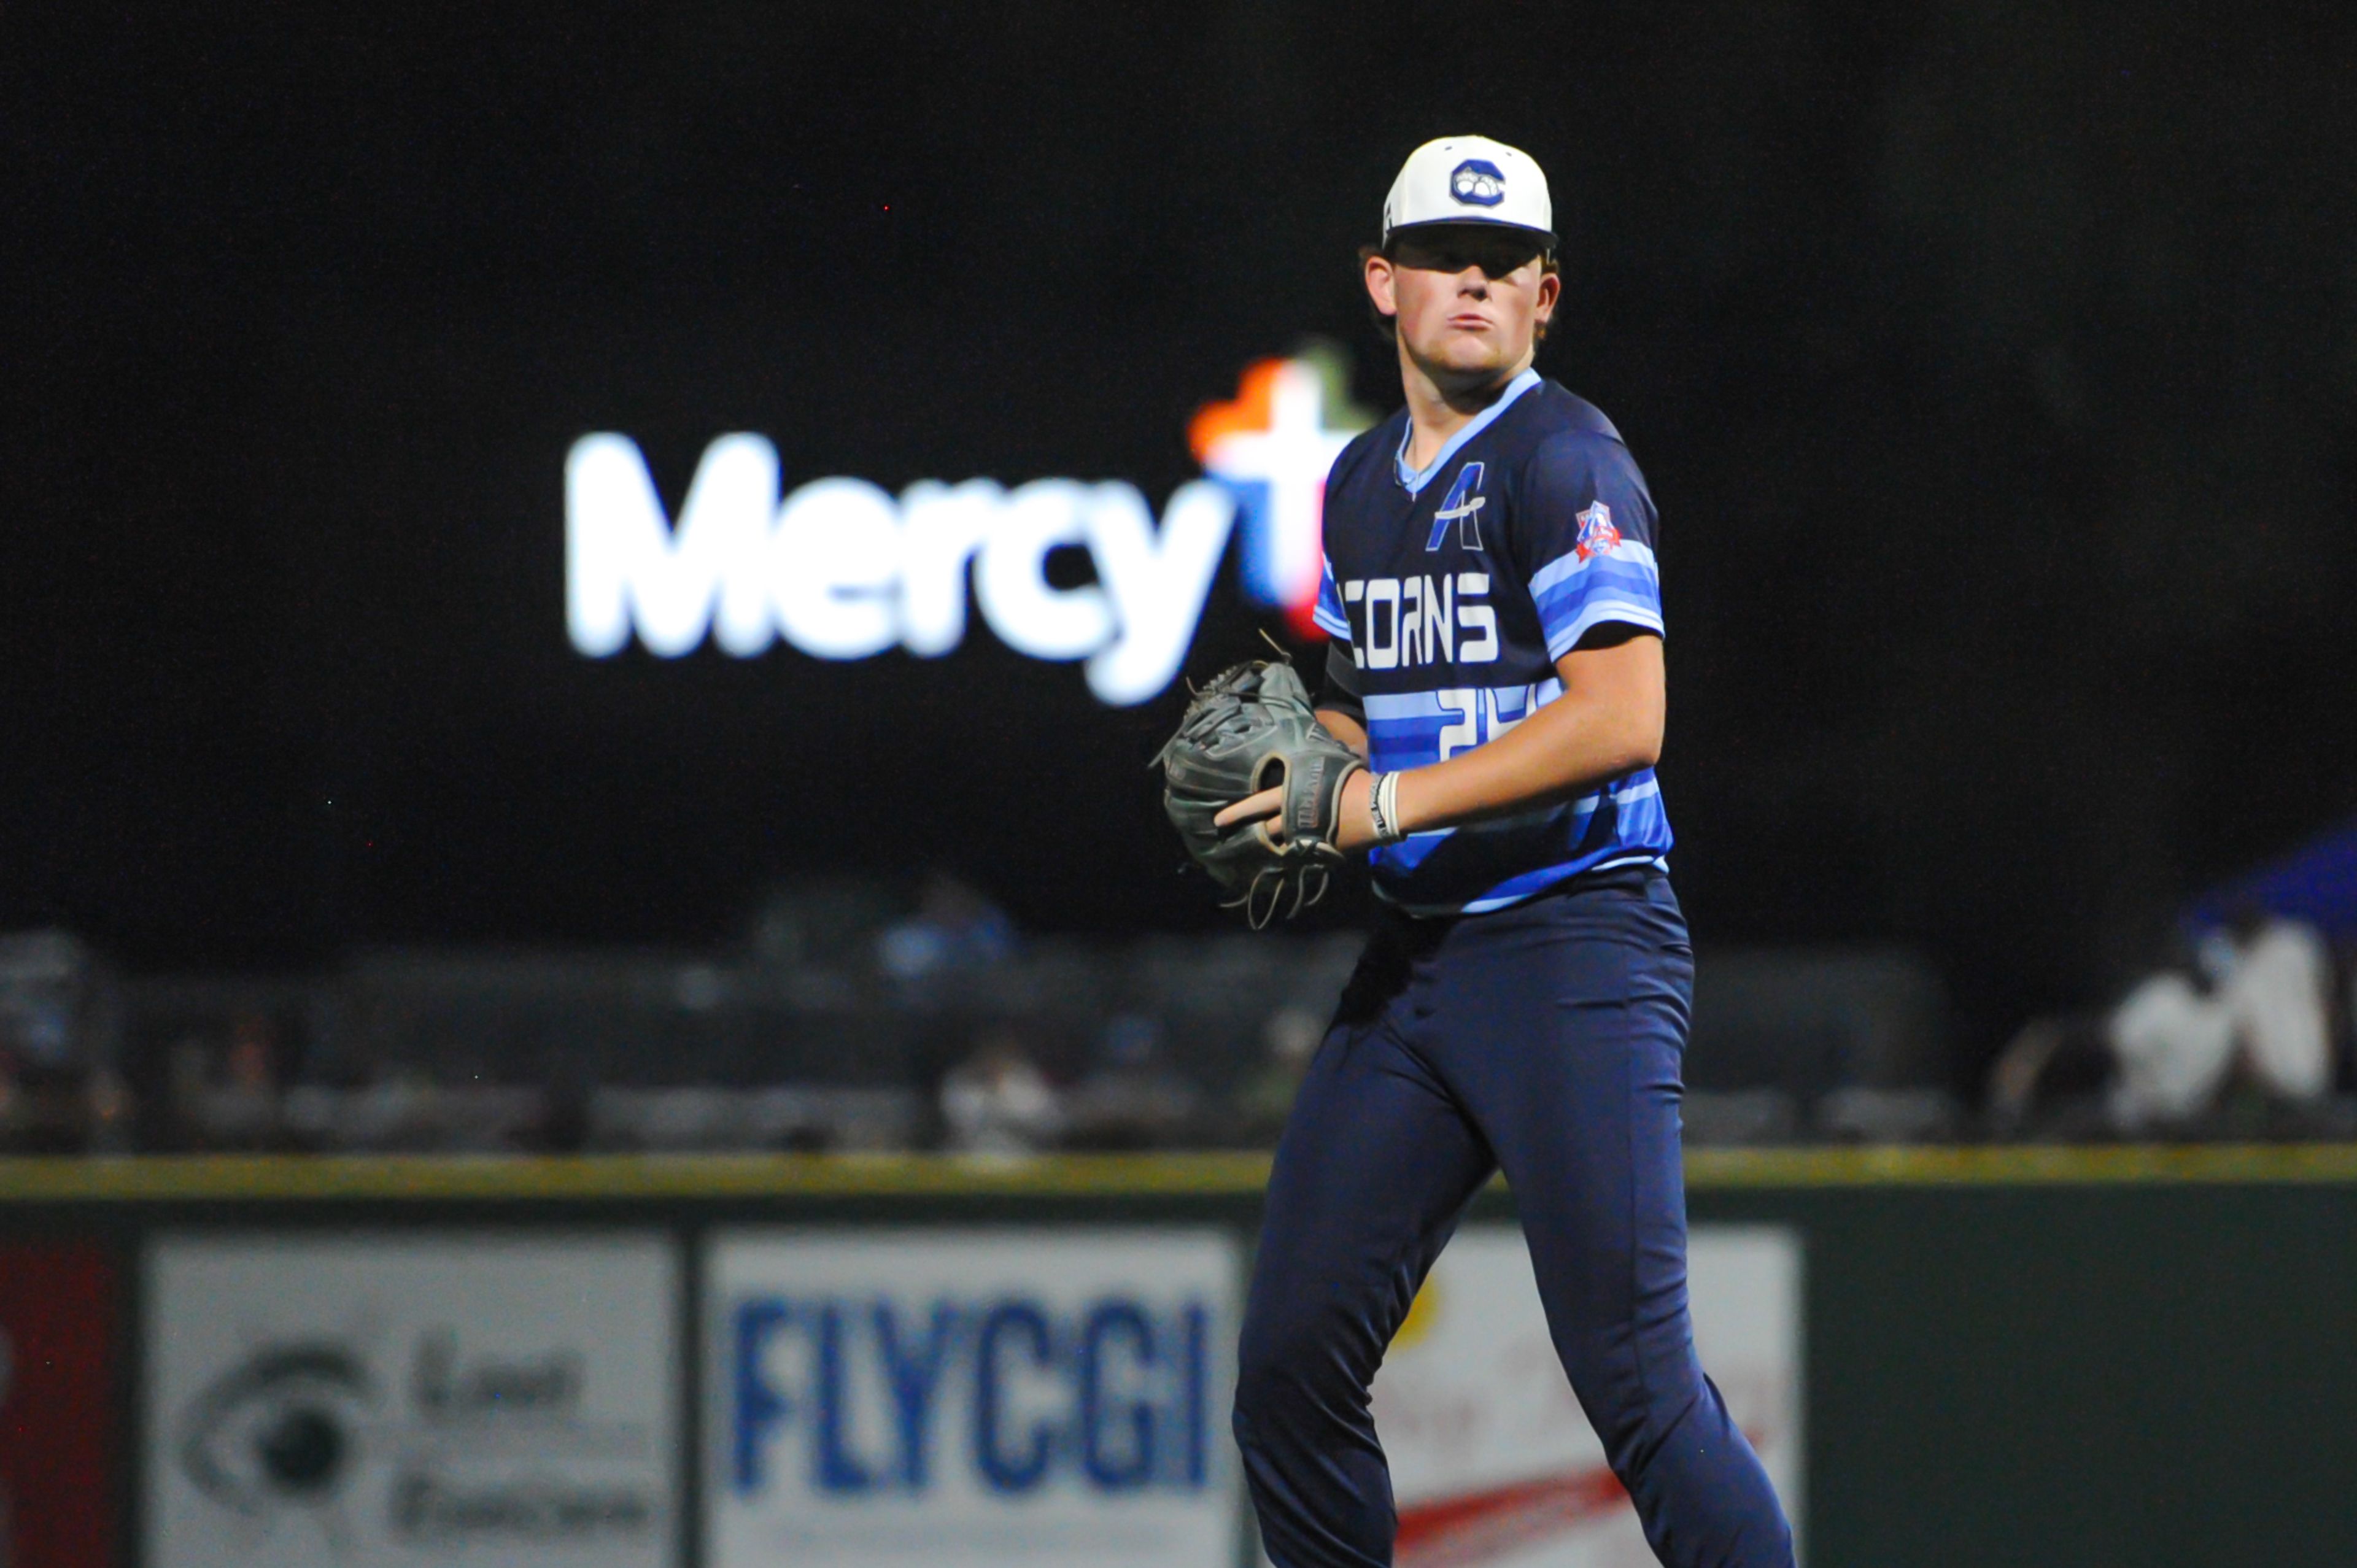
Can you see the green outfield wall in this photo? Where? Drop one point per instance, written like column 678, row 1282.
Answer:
column 2121, row 1356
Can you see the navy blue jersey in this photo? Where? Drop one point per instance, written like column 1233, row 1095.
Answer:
column 1455, row 588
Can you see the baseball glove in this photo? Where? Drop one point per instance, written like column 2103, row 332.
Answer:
column 1252, row 729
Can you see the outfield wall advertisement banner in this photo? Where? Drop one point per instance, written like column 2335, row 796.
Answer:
column 969, row 1398
column 398, row 1401
column 56, row 1405
column 1494, row 1464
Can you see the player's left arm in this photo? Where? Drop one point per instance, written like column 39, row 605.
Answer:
column 1593, row 578
column 1606, row 724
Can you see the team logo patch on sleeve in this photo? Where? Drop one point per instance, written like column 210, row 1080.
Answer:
column 1597, row 534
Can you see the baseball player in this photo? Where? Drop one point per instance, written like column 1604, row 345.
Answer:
column 1494, row 606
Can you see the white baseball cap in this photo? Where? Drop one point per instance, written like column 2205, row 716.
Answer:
column 1470, row 179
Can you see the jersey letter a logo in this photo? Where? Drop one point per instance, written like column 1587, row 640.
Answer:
column 1461, row 506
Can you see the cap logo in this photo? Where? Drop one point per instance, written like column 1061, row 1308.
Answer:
column 1478, row 182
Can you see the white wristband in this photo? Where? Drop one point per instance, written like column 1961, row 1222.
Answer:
column 1383, row 808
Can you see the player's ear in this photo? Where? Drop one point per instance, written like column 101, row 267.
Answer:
column 1550, row 290
column 1382, row 283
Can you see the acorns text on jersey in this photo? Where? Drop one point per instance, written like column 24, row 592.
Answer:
column 1398, row 623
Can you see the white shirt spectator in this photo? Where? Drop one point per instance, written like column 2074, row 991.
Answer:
column 2277, row 995
column 2174, row 1045
column 997, row 1103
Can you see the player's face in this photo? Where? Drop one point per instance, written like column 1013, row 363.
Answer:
column 1467, row 302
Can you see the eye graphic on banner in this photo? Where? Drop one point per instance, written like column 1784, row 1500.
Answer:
column 279, row 1429
column 842, row 569
column 411, row 1402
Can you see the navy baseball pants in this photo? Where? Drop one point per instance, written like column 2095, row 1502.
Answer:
column 1543, row 1039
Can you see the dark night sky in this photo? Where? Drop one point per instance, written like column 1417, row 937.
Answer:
column 1995, row 367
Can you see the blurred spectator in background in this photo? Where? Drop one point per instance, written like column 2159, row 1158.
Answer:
column 1289, row 1037
column 2256, row 999
column 59, row 1090
column 2156, row 1055
column 391, row 1110
column 109, row 1109
column 46, row 979
column 2173, row 1041
column 2277, row 989
column 1131, row 1099
column 955, row 928
column 997, row 1101
column 240, row 1110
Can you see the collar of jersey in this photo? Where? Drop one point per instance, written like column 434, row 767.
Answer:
column 1414, row 479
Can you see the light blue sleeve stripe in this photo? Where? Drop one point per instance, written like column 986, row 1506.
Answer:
column 1571, row 603
column 1629, row 553
column 1611, row 578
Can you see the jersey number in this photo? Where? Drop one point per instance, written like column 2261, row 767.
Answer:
column 1474, row 718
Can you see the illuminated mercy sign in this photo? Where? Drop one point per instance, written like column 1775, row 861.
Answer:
column 842, row 569
column 1273, row 447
